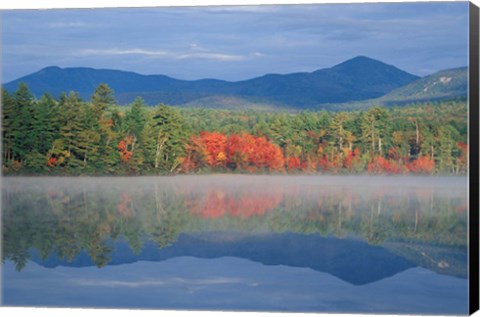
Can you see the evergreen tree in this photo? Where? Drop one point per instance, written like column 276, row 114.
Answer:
column 102, row 98
column 169, row 133
column 9, row 125
column 44, row 132
column 23, row 134
column 67, row 145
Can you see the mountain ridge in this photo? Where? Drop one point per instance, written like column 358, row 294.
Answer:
column 354, row 261
column 358, row 78
column 448, row 84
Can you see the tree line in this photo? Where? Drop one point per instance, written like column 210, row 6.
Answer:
column 71, row 136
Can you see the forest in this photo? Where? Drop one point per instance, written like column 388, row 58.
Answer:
column 71, row 136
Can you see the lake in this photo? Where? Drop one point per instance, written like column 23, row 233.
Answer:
column 344, row 244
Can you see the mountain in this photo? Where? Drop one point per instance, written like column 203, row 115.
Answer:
column 443, row 85
column 448, row 260
column 56, row 80
column 448, row 83
column 359, row 78
column 351, row 260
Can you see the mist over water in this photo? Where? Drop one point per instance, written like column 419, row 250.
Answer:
column 361, row 230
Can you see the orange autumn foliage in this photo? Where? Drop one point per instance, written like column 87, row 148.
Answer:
column 306, row 166
column 123, row 148
column 241, row 152
column 326, row 163
column 214, row 144
column 52, row 161
column 422, row 165
column 188, row 164
column 218, row 203
column 124, row 206
column 266, row 155
column 293, row 163
column 350, row 157
column 381, row 165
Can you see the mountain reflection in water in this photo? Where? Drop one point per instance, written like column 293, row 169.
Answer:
column 359, row 229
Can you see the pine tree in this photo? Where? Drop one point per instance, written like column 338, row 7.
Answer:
column 23, row 134
column 67, row 144
column 9, row 126
column 169, row 133
column 102, row 98
column 43, row 131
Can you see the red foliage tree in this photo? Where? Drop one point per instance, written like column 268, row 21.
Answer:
column 293, row 163
column 188, row 164
column 212, row 205
column 214, row 144
column 239, row 149
column 218, row 203
column 242, row 152
column 350, row 157
column 266, row 155
column 124, row 207
column 123, row 148
column 330, row 164
column 325, row 163
column 52, row 161
column 381, row 165
column 422, row 165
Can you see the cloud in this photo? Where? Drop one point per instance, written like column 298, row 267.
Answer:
column 211, row 56
column 236, row 42
column 116, row 51
column 113, row 283
column 195, row 53
column 163, row 282
column 59, row 25
column 235, row 9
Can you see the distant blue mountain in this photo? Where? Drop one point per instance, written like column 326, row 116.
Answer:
column 359, row 78
column 353, row 261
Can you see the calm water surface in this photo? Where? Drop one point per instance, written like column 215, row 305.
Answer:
column 262, row 243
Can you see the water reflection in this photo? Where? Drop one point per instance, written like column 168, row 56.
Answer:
column 332, row 224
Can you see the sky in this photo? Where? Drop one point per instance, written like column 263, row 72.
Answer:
column 237, row 42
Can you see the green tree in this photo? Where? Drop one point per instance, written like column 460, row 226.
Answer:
column 44, row 132
column 374, row 129
column 67, row 148
column 23, row 134
column 10, row 124
column 337, row 130
column 88, row 137
column 102, row 98
column 169, row 134
column 136, row 118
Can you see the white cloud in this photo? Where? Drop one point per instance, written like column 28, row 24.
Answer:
column 211, row 56
column 115, row 51
column 71, row 24
column 113, row 283
column 196, row 52
column 163, row 282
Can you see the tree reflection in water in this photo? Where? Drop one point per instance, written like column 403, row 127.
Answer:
column 64, row 217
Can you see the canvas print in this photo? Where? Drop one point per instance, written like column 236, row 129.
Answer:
column 283, row 158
